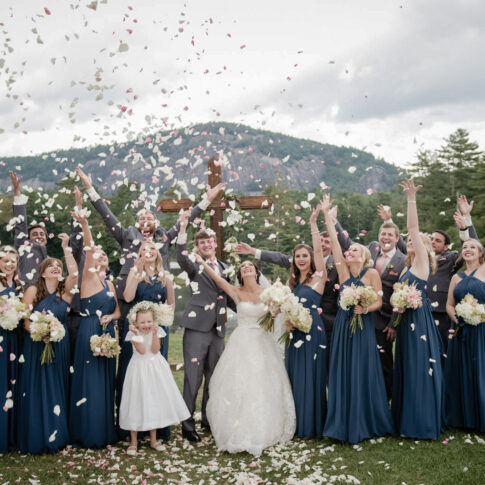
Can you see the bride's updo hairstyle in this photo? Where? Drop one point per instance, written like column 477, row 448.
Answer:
column 239, row 275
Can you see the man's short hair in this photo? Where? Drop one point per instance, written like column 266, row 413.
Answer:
column 445, row 235
column 202, row 234
column 388, row 225
column 37, row 226
column 324, row 234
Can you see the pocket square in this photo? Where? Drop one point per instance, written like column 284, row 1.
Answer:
column 393, row 273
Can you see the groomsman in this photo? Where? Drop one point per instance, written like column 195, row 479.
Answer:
column 203, row 322
column 30, row 242
column 439, row 283
column 389, row 262
column 329, row 301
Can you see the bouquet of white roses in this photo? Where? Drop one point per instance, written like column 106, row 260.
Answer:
column 274, row 297
column 105, row 345
column 297, row 315
column 470, row 310
column 12, row 310
column 354, row 295
column 405, row 296
column 44, row 325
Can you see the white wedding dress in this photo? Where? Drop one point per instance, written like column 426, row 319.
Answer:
column 250, row 403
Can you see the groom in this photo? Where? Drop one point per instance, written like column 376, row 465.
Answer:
column 203, row 321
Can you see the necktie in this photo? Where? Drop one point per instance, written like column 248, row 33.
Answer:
column 380, row 263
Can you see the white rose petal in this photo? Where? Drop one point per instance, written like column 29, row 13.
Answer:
column 298, row 344
column 81, row 401
column 52, row 437
column 57, row 410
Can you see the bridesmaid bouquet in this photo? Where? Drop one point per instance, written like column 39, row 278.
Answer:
column 166, row 314
column 405, row 296
column 12, row 310
column 470, row 310
column 354, row 295
column 44, row 325
column 274, row 297
column 105, row 345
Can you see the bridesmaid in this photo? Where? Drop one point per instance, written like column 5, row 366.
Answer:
column 306, row 354
column 9, row 352
column 465, row 365
column 418, row 394
column 147, row 281
column 93, row 381
column 357, row 402
column 43, row 408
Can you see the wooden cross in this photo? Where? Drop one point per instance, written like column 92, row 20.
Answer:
column 217, row 207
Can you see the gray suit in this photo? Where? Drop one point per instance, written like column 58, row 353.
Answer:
column 130, row 238
column 31, row 254
column 385, row 316
column 204, row 321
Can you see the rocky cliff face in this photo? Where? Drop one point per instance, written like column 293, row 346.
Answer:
column 251, row 159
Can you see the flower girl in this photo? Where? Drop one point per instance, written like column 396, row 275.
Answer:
column 151, row 398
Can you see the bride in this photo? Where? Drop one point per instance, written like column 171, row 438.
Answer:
column 250, row 403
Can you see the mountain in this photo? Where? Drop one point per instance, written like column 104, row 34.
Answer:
column 253, row 158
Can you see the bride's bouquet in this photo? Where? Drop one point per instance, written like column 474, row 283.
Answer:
column 354, row 295
column 12, row 310
column 105, row 345
column 297, row 315
column 405, row 296
column 470, row 310
column 44, row 325
column 273, row 297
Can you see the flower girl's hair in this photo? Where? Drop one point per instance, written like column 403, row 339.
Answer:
column 146, row 306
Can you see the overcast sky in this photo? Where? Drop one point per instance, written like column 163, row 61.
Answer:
column 385, row 75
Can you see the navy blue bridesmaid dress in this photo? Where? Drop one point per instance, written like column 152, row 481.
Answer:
column 357, row 402
column 465, row 365
column 92, row 422
column 156, row 293
column 306, row 366
column 43, row 406
column 418, row 392
column 9, row 383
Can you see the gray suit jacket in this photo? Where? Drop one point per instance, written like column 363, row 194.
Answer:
column 129, row 239
column 329, row 301
column 31, row 254
column 385, row 316
column 207, row 306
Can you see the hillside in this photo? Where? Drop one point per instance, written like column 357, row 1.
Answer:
column 253, row 159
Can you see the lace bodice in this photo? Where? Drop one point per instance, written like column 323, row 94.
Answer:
column 249, row 314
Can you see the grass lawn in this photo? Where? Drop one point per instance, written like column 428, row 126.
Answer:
column 457, row 458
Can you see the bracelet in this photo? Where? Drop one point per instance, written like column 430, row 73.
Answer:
column 366, row 311
column 411, row 201
column 315, row 232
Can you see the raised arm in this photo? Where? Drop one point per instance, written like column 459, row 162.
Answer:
column 76, row 239
column 317, row 245
column 170, row 290
column 465, row 208
column 420, row 265
column 338, row 257
column 109, row 219
column 220, row 282
column 72, row 270
column 273, row 257
column 21, row 232
column 182, row 255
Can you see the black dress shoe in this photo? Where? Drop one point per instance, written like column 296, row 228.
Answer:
column 206, row 427
column 191, row 436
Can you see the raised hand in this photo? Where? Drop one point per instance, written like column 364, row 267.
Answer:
column 243, row 248
column 464, row 206
column 384, row 212
column 184, row 220
column 326, row 204
column 15, row 182
column 85, row 179
column 65, row 240
column 459, row 220
column 315, row 212
column 410, row 189
column 133, row 329
column 213, row 192
column 79, row 197
column 79, row 216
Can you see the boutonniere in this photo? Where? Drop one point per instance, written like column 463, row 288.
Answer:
column 389, row 266
column 329, row 267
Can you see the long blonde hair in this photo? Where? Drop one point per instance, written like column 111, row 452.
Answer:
column 365, row 254
column 158, row 269
column 4, row 250
column 431, row 256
